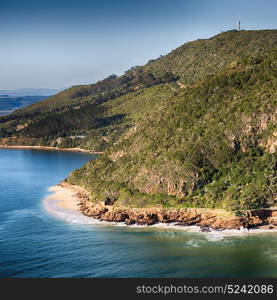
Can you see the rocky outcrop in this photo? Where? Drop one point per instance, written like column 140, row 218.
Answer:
column 117, row 155
column 150, row 181
column 206, row 219
column 271, row 143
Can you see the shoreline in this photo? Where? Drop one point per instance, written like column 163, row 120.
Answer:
column 49, row 148
column 76, row 199
column 64, row 198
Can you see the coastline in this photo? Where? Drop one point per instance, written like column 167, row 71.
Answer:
column 48, row 148
column 63, row 203
column 68, row 196
column 64, row 198
column 76, row 199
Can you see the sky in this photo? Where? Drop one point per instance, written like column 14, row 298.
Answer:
column 60, row 43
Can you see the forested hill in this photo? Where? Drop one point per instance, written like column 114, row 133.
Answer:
column 196, row 127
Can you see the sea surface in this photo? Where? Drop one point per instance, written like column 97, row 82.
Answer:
column 5, row 112
column 36, row 243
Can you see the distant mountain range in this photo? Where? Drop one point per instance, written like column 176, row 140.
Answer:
column 29, row 92
column 11, row 100
column 8, row 104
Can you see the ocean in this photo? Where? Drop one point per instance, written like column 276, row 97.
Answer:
column 37, row 243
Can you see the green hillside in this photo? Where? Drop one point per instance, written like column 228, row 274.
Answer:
column 194, row 128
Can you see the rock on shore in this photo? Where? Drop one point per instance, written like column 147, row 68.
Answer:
column 205, row 218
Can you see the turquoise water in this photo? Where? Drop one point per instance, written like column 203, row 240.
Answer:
column 34, row 243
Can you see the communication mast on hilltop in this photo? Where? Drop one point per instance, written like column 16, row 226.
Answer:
column 238, row 25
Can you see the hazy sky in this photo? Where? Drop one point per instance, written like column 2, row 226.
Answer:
column 59, row 43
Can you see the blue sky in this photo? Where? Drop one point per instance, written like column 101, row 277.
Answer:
column 57, row 44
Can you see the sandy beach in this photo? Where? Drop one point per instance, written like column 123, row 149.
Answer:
column 48, row 148
column 63, row 197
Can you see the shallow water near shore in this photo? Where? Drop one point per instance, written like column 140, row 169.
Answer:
column 64, row 243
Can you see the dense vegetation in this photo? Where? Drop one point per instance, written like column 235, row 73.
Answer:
column 194, row 128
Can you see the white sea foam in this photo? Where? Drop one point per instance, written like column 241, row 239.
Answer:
column 77, row 217
column 20, row 213
column 69, row 215
column 193, row 243
column 271, row 252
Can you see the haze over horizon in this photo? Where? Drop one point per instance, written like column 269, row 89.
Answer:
column 57, row 44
